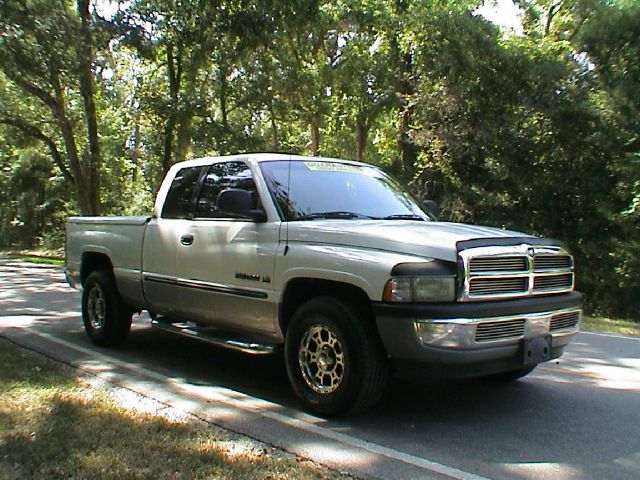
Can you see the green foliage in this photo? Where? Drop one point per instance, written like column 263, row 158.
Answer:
column 33, row 203
column 537, row 132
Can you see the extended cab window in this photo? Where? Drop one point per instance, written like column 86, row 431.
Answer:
column 222, row 176
column 178, row 202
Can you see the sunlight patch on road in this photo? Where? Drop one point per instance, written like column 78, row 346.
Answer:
column 20, row 321
column 536, row 470
column 327, row 452
column 630, row 462
column 625, row 375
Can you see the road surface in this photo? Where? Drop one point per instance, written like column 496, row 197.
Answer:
column 575, row 418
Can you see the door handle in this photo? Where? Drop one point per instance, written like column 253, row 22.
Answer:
column 186, row 239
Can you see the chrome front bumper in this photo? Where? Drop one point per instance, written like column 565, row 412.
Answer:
column 468, row 333
column 475, row 333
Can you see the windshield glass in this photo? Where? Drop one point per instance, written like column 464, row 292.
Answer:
column 314, row 189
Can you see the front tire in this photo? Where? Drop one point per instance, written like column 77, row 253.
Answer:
column 335, row 360
column 106, row 318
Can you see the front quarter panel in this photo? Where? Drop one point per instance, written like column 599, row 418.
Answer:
column 366, row 269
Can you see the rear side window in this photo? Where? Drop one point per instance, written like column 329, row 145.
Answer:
column 178, row 203
column 222, row 176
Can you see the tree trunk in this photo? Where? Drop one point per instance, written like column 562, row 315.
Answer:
column 174, row 73
column 184, row 137
column 83, row 194
column 135, row 152
column 275, row 144
column 361, row 138
column 85, row 55
column 314, row 144
column 402, row 63
column 406, row 148
column 223, row 99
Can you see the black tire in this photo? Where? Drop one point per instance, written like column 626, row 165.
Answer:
column 511, row 375
column 335, row 360
column 106, row 318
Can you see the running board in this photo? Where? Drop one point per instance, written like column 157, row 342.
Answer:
column 216, row 337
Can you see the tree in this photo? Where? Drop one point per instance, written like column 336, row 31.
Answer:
column 46, row 51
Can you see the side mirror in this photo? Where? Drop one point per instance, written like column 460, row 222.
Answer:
column 236, row 201
column 431, row 207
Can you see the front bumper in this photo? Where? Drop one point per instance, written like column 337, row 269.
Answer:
column 478, row 337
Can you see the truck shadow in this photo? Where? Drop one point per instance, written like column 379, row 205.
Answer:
column 538, row 420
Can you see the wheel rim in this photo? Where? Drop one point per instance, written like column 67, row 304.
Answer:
column 96, row 307
column 321, row 359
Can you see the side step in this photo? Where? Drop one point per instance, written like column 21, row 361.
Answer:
column 216, row 336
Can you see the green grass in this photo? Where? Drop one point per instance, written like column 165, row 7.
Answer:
column 49, row 257
column 40, row 259
column 610, row 325
column 54, row 426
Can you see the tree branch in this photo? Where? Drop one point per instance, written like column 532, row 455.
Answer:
column 28, row 87
column 35, row 132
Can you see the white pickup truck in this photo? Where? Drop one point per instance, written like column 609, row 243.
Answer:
column 332, row 262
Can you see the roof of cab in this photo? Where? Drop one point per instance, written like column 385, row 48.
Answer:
column 258, row 157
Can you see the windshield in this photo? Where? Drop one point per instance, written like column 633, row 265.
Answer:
column 314, row 189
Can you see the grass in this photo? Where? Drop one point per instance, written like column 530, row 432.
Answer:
column 48, row 257
column 54, row 426
column 610, row 325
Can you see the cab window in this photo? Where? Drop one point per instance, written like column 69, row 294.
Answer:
column 222, row 176
column 178, row 203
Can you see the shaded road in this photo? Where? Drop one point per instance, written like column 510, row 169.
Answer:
column 576, row 418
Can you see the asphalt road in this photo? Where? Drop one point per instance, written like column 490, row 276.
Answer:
column 575, row 418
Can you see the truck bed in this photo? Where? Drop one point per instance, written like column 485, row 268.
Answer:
column 119, row 238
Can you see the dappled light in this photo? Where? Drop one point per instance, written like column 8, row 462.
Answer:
column 69, row 434
column 512, row 429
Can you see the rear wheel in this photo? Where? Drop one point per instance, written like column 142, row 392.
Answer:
column 335, row 361
column 106, row 318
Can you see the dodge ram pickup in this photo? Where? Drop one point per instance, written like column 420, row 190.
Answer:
column 334, row 264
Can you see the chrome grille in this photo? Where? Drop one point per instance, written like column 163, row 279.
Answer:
column 489, row 331
column 479, row 286
column 515, row 271
column 551, row 262
column 553, row 282
column 498, row 264
column 564, row 321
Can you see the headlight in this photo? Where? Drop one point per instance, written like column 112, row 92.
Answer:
column 420, row 289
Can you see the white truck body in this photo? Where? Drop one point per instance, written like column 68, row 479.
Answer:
column 242, row 278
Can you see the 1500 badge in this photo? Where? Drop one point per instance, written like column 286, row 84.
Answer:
column 254, row 277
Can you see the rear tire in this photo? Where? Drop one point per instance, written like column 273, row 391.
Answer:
column 106, row 318
column 335, row 360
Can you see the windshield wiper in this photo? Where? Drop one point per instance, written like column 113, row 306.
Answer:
column 332, row 215
column 404, row 216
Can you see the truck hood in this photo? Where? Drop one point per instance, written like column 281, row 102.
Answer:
column 423, row 239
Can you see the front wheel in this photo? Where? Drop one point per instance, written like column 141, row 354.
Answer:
column 106, row 318
column 335, row 361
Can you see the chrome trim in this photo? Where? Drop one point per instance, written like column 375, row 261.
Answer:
column 200, row 285
column 187, row 330
column 460, row 333
column 529, row 253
